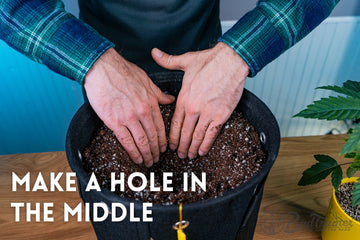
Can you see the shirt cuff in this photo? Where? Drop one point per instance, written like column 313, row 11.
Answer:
column 73, row 48
column 255, row 39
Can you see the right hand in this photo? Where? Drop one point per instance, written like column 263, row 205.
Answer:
column 127, row 101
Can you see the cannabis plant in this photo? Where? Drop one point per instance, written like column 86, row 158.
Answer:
column 344, row 107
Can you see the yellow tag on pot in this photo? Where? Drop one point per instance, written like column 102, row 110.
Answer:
column 179, row 226
column 181, row 234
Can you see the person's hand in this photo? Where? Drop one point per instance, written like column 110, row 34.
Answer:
column 212, row 87
column 127, row 101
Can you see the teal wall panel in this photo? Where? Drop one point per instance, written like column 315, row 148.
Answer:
column 36, row 105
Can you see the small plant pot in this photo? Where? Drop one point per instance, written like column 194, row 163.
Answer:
column 338, row 225
column 228, row 217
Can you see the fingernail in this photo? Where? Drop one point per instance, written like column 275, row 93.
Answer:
column 181, row 155
column 139, row 160
column 201, row 153
column 163, row 149
column 149, row 163
column 191, row 155
column 172, row 146
column 156, row 159
column 158, row 53
column 171, row 97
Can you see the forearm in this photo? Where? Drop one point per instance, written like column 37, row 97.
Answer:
column 46, row 33
column 273, row 27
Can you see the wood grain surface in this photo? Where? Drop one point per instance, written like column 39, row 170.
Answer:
column 287, row 210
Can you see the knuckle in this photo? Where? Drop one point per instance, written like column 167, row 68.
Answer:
column 192, row 110
column 175, row 123
column 169, row 59
column 147, row 156
column 126, row 140
column 160, row 128
column 186, row 133
column 144, row 110
column 198, row 136
column 214, row 130
column 162, row 139
column 156, row 157
column 184, row 144
column 153, row 138
column 173, row 139
column 174, row 136
column 131, row 117
column 142, row 141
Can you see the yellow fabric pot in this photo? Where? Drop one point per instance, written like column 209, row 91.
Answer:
column 338, row 225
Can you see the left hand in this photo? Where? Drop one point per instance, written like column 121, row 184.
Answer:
column 212, row 87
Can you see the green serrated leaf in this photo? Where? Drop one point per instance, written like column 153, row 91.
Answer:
column 353, row 142
column 357, row 158
column 332, row 108
column 350, row 155
column 342, row 90
column 354, row 85
column 336, row 177
column 355, row 190
column 318, row 171
column 355, row 198
column 350, row 172
column 325, row 158
column 355, row 165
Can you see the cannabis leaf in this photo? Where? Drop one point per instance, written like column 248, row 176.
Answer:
column 354, row 85
column 348, row 89
column 336, row 108
column 353, row 142
column 355, row 198
column 345, row 107
column 332, row 108
column 350, row 172
column 320, row 170
column 336, row 177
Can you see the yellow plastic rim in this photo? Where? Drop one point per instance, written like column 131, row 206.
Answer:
column 337, row 205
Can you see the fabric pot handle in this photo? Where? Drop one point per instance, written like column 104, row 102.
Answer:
column 246, row 229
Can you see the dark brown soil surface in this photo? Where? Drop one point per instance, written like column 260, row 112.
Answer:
column 234, row 158
column 343, row 197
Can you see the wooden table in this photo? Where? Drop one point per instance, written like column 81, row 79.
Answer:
column 287, row 211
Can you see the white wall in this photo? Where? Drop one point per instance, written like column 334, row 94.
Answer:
column 234, row 9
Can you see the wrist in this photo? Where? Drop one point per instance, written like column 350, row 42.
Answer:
column 109, row 58
column 229, row 54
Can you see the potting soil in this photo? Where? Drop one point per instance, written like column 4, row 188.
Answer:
column 236, row 156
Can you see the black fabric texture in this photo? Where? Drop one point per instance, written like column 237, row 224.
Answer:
column 137, row 26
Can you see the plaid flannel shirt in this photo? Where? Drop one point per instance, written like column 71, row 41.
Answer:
column 46, row 33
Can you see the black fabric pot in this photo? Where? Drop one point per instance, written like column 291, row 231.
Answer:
column 232, row 216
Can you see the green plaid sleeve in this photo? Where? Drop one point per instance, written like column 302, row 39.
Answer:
column 274, row 26
column 46, row 33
